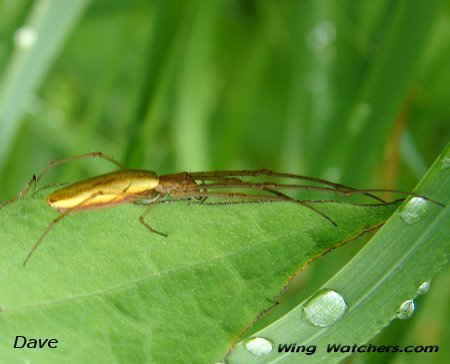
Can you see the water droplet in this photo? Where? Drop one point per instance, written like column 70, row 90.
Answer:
column 445, row 162
column 325, row 308
column 424, row 287
column 406, row 310
column 258, row 346
column 414, row 209
column 25, row 37
column 322, row 35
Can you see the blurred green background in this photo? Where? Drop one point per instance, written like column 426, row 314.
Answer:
column 352, row 91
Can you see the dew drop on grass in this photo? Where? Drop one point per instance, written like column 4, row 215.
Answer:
column 325, row 308
column 414, row 210
column 258, row 346
column 424, row 287
column 322, row 35
column 25, row 37
column 445, row 162
column 406, row 310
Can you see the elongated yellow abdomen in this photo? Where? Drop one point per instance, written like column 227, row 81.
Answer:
column 105, row 190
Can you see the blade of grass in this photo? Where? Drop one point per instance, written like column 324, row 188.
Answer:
column 386, row 273
column 37, row 44
column 383, row 93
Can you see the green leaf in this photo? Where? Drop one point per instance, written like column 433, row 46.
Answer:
column 408, row 251
column 109, row 290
